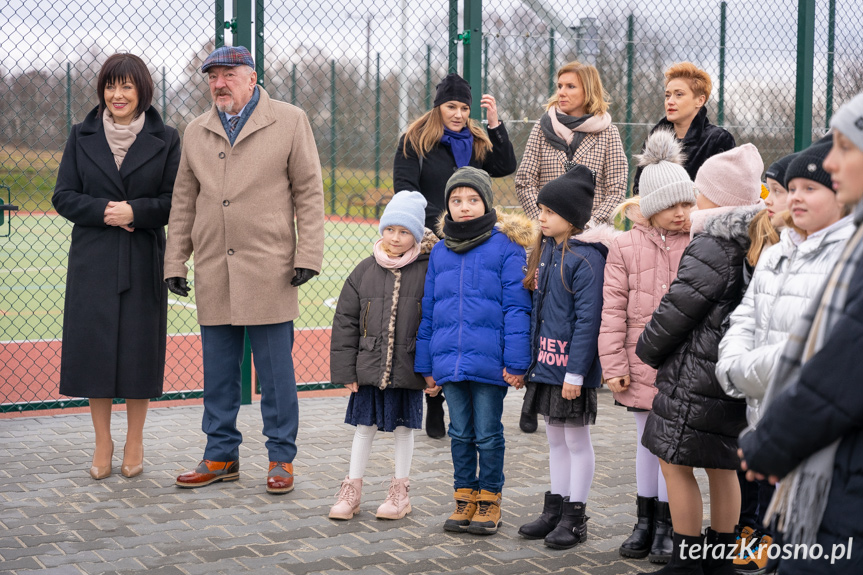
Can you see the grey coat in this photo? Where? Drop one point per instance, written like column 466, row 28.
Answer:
column 376, row 321
column 785, row 281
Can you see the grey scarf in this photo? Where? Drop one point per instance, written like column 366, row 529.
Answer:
column 570, row 122
column 801, row 498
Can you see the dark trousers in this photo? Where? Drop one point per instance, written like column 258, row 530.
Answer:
column 272, row 346
column 755, row 497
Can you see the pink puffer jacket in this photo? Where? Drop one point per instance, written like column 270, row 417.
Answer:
column 640, row 267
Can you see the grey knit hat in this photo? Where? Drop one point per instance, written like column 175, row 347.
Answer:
column 849, row 120
column 406, row 209
column 471, row 177
column 664, row 181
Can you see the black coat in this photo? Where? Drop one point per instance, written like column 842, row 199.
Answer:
column 362, row 341
column 115, row 318
column 702, row 141
column 693, row 422
column 825, row 404
column 439, row 164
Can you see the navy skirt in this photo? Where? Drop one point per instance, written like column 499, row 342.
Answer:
column 386, row 409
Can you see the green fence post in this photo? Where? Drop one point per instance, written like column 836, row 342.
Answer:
column 428, row 76
column 720, row 114
column 68, row 98
column 332, row 137
column 453, row 36
column 220, row 23
column 831, row 47
column 485, row 64
column 473, row 50
column 259, row 40
column 630, row 63
column 551, row 60
column 378, row 119
column 805, row 73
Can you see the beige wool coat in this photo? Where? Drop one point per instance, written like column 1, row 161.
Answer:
column 236, row 208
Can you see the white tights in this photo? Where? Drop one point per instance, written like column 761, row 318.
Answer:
column 648, row 475
column 570, row 460
column 362, row 447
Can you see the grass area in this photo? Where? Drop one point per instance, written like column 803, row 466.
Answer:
column 32, row 282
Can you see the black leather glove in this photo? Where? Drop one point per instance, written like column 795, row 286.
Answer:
column 302, row 276
column 178, row 286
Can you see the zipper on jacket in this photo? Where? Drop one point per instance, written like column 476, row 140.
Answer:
column 366, row 319
column 460, row 317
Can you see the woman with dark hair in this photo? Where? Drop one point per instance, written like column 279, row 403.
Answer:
column 114, row 184
column 687, row 89
column 434, row 146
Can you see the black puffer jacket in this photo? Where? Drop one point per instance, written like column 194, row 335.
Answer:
column 702, row 141
column 431, row 177
column 693, row 422
column 364, row 348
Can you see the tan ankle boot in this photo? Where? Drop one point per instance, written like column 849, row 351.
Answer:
column 486, row 520
column 348, row 500
column 398, row 502
column 465, row 507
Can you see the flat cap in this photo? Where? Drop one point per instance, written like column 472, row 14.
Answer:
column 228, row 56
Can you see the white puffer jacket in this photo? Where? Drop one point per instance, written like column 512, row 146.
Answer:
column 785, row 281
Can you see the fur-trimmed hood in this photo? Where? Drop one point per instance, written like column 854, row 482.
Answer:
column 602, row 234
column 733, row 224
column 517, row 227
column 428, row 242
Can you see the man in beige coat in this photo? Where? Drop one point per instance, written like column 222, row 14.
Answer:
column 249, row 170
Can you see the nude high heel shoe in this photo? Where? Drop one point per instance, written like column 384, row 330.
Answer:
column 134, row 469
column 98, row 472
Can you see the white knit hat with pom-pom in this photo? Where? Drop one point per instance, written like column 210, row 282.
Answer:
column 664, row 181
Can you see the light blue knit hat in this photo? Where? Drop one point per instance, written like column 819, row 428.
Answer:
column 406, row 209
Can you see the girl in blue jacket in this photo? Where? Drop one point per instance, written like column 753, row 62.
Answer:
column 565, row 273
column 473, row 338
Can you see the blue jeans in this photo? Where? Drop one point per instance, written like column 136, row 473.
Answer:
column 222, row 347
column 475, row 428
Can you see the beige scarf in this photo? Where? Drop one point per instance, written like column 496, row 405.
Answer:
column 590, row 126
column 120, row 138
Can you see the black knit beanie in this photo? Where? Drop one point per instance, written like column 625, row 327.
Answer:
column 571, row 195
column 809, row 164
column 777, row 169
column 453, row 87
column 474, row 178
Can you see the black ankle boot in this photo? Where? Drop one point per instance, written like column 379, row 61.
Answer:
column 572, row 527
column 660, row 550
column 434, row 416
column 637, row 545
column 719, row 559
column 551, row 511
column 527, row 422
column 684, row 559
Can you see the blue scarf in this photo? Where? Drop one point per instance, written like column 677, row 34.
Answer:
column 461, row 144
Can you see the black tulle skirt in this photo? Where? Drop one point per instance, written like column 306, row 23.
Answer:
column 545, row 399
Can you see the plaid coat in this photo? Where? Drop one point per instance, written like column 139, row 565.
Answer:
column 602, row 152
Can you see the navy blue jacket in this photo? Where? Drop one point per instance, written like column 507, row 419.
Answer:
column 567, row 313
column 475, row 310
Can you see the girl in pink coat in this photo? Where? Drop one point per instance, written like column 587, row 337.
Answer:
column 641, row 265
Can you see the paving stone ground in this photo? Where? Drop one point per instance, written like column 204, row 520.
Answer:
column 56, row 520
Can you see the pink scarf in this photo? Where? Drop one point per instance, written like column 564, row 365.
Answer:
column 389, row 262
column 591, row 125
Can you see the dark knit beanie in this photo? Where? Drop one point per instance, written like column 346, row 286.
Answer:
column 777, row 169
column 471, row 177
column 453, row 88
column 809, row 164
column 571, row 195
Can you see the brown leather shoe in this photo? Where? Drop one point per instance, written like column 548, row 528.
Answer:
column 209, row 472
column 280, row 478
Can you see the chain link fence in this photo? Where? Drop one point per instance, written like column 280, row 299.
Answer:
column 362, row 72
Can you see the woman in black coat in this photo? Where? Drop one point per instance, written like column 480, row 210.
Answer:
column 441, row 141
column 115, row 183
column 693, row 422
column 687, row 89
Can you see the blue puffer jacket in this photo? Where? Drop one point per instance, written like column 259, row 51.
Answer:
column 476, row 312
column 564, row 328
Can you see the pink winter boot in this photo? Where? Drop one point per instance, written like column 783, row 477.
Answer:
column 398, row 502
column 348, row 501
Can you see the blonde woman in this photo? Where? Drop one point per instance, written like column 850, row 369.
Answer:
column 576, row 129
